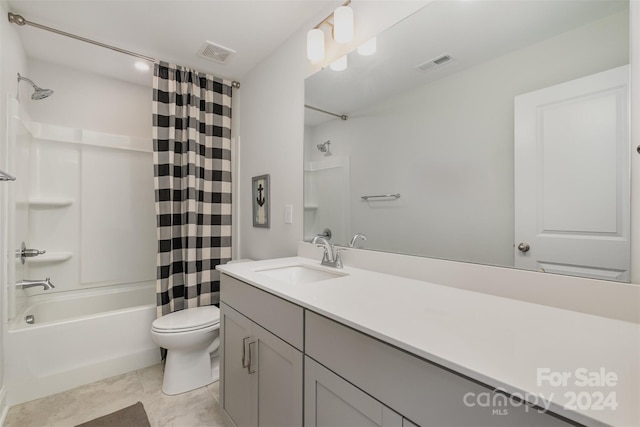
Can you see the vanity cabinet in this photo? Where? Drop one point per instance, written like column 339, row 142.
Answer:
column 348, row 377
column 423, row 392
column 331, row 401
column 261, row 373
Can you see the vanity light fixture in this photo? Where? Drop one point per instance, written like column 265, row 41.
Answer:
column 339, row 64
column 369, row 47
column 341, row 23
column 315, row 45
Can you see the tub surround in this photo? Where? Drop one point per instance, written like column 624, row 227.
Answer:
column 498, row 341
column 79, row 337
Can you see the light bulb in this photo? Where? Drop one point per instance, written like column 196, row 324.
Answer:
column 142, row 66
column 339, row 64
column 368, row 48
column 343, row 24
column 315, row 45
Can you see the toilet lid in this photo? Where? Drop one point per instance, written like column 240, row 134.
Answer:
column 188, row 320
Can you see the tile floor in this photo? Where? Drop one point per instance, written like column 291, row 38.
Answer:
column 193, row 409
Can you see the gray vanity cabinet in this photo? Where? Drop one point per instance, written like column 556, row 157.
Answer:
column 348, row 378
column 236, row 395
column 423, row 392
column 261, row 374
column 331, row 401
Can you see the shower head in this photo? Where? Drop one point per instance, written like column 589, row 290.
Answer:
column 324, row 148
column 38, row 92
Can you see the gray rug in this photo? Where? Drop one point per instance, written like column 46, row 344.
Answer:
column 131, row 416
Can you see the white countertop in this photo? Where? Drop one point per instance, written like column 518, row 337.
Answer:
column 501, row 342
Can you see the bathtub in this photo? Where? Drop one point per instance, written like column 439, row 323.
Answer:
column 79, row 337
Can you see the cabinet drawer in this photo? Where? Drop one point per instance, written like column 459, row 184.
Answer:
column 276, row 315
column 424, row 392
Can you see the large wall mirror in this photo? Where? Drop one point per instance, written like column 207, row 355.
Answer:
column 495, row 132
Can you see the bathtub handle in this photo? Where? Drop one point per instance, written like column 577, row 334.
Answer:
column 23, row 253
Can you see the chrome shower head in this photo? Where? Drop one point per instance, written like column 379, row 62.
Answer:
column 41, row 94
column 38, row 92
column 324, row 148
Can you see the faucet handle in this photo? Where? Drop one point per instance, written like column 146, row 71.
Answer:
column 338, row 257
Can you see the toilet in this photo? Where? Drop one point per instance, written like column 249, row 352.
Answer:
column 191, row 337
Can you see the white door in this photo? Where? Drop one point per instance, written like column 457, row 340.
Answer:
column 572, row 177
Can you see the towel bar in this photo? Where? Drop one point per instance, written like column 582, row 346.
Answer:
column 6, row 177
column 386, row 196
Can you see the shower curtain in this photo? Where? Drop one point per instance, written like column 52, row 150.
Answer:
column 192, row 177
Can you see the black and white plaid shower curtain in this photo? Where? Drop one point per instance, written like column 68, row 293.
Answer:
column 192, row 168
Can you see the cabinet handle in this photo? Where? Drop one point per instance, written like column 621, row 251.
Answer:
column 250, row 368
column 244, row 352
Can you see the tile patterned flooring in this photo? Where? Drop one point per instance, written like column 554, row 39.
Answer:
column 67, row 409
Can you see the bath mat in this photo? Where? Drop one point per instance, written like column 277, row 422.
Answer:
column 131, row 416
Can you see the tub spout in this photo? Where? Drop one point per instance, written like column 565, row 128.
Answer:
column 46, row 284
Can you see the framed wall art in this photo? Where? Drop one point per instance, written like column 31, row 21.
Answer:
column 260, row 196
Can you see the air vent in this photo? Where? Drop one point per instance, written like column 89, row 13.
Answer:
column 215, row 52
column 435, row 62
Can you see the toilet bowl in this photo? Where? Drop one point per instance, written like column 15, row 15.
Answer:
column 191, row 337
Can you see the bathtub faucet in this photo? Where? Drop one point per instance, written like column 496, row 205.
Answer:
column 46, row 284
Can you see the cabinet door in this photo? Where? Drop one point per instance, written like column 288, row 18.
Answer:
column 330, row 401
column 262, row 374
column 235, row 381
column 278, row 379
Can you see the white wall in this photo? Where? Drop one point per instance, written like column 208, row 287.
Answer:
column 271, row 123
column 271, row 129
column 89, row 101
column 12, row 61
column 447, row 147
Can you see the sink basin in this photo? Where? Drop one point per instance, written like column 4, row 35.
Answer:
column 300, row 274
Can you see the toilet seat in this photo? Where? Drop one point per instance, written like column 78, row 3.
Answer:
column 190, row 319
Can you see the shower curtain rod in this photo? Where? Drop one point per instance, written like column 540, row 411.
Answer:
column 21, row 21
column 341, row 116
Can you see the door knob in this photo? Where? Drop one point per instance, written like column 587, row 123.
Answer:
column 524, row 247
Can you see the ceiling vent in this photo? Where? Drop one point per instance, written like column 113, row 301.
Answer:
column 435, row 62
column 215, row 52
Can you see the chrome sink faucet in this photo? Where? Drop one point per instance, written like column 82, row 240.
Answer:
column 355, row 238
column 46, row 284
column 331, row 255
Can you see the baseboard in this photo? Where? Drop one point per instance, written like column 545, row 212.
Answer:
column 4, row 408
column 227, row 418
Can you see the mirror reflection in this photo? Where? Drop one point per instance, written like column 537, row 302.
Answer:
column 495, row 132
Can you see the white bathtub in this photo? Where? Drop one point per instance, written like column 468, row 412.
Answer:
column 79, row 337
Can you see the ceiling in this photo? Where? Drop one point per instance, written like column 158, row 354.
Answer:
column 170, row 30
column 472, row 32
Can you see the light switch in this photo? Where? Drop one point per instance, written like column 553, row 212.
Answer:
column 288, row 214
